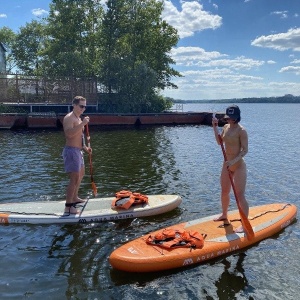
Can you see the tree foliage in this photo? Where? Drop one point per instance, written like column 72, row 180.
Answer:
column 125, row 44
column 27, row 47
column 70, row 49
column 137, row 64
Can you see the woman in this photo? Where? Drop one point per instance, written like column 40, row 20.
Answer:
column 235, row 138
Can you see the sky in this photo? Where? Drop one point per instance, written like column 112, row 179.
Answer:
column 227, row 49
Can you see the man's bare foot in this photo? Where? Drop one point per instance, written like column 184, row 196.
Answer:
column 220, row 218
column 240, row 229
column 71, row 209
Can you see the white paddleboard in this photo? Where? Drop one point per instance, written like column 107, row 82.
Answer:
column 94, row 210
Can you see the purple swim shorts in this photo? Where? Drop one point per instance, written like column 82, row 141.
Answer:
column 73, row 159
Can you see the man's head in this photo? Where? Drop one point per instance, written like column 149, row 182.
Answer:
column 79, row 104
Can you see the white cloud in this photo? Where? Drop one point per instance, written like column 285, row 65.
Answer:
column 38, row 12
column 282, row 14
column 192, row 55
column 226, row 84
column 3, row 16
column 237, row 63
column 281, row 41
column 290, row 69
column 195, row 56
column 190, row 19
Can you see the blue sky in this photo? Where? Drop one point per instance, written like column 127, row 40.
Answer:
column 227, row 48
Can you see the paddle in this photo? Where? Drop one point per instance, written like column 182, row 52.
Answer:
column 245, row 222
column 94, row 188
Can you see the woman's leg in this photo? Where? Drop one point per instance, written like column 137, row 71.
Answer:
column 240, row 179
column 225, row 193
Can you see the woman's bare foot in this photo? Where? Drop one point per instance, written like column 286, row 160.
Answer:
column 220, row 218
column 240, row 229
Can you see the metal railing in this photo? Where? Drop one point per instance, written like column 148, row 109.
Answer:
column 16, row 88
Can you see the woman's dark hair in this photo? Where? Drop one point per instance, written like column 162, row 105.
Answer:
column 237, row 120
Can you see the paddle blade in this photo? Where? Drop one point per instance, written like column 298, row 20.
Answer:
column 94, row 188
column 246, row 225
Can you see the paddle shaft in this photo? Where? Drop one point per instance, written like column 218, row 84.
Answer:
column 245, row 222
column 90, row 159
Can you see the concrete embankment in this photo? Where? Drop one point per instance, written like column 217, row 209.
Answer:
column 52, row 120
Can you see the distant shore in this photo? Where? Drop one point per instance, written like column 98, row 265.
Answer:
column 283, row 99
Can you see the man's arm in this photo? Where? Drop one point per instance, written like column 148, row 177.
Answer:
column 69, row 128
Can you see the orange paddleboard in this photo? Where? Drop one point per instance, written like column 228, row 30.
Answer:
column 266, row 220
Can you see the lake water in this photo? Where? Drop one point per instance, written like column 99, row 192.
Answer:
column 71, row 261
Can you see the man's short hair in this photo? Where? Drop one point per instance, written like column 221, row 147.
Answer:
column 77, row 99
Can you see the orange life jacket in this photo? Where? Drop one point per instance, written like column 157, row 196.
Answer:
column 125, row 199
column 174, row 238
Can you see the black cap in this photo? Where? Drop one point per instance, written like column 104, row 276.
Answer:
column 232, row 112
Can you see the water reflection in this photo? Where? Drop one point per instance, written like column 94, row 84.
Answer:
column 233, row 279
column 133, row 159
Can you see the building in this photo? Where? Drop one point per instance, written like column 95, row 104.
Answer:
column 2, row 59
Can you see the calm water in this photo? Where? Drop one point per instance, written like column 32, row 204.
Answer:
column 71, row 261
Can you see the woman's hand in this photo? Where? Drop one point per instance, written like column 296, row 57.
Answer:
column 214, row 121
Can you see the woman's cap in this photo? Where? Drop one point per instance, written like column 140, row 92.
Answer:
column 232, row 112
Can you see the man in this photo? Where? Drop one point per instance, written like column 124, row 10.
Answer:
column 72, row 152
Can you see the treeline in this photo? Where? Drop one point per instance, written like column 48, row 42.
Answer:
column 282, row 99
column 124, row 45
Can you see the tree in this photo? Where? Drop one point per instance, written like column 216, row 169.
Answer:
column 27, row 47
column 137, row 63
column 70, row 49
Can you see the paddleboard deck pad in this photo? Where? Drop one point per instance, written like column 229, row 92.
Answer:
column 266, row 220
column 94, row 210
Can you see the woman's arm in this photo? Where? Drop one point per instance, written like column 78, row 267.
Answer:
column 243, row 149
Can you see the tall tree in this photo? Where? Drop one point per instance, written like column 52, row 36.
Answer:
column 27, row 47
column 137, row 64
column 70, row 49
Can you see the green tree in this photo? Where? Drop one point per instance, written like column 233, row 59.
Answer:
column 70, row 49
column 8, row 37
column 137, row 63
column 27, row 47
